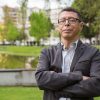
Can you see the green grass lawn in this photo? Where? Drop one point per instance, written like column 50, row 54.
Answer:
column 21, row 50
column 98, row 98
column 20, row 93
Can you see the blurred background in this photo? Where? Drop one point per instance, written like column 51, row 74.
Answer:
column 26, row 27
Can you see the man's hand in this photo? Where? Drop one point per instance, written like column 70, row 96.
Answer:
column 85, row 77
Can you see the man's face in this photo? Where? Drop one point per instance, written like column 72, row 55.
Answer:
column 69, row 24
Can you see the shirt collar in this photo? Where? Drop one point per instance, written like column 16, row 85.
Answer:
column 73, row 44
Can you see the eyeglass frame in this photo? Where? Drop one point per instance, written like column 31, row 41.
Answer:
column 64, row 20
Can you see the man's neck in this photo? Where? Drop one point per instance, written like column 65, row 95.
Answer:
column 68, row 42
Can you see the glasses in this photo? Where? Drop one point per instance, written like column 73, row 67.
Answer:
column 70, row 20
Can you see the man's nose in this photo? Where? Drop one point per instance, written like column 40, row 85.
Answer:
column 67, row 23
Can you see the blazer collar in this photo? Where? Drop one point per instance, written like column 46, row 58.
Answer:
column 57, row 63
column 78, row 53
column 58, row 58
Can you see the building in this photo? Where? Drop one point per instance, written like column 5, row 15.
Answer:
column 12, row 12
column 54, row 15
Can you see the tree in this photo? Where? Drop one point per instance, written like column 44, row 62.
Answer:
column 40, row 25
column 89, row 9
column 1, row 33
column 23, row 13
column 10, row 30
column 96, row 26
column 88, row 33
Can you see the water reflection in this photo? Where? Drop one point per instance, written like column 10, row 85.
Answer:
column 14, row 62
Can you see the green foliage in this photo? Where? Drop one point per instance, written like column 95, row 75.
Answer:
column 35, row 62
column 12, row 32
column 15, row 62
column 11, row 62
column 40, row 25
column 87, row 8
column 1, row 33
column 87, row 32
column 12, row 57
column 90, row 12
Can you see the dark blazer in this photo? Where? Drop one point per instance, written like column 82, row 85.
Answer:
column 86, row 62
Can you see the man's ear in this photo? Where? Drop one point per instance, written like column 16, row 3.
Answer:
column 81, row 25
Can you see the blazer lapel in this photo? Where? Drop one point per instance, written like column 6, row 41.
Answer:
column 58, row 58
column 79, row 51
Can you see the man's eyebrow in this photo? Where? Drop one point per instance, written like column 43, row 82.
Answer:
column 61, row 18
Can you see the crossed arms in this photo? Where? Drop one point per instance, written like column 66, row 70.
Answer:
column 71, row 84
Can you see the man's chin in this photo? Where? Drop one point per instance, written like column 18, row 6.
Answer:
column 67, row 36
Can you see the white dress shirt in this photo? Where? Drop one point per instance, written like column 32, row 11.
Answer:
column 67, row 55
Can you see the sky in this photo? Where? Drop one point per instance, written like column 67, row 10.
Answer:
column 31, row 3
column 15, row 3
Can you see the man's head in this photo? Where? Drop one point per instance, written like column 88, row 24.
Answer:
column 69, row 23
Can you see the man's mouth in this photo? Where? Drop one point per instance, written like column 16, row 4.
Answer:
column 67, row 31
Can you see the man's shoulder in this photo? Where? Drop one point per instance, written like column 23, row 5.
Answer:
column 90, row 48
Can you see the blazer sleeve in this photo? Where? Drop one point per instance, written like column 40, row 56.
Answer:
column 52, row 80
column 86, row 88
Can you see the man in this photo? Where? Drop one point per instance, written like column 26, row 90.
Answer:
column 70, row 70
